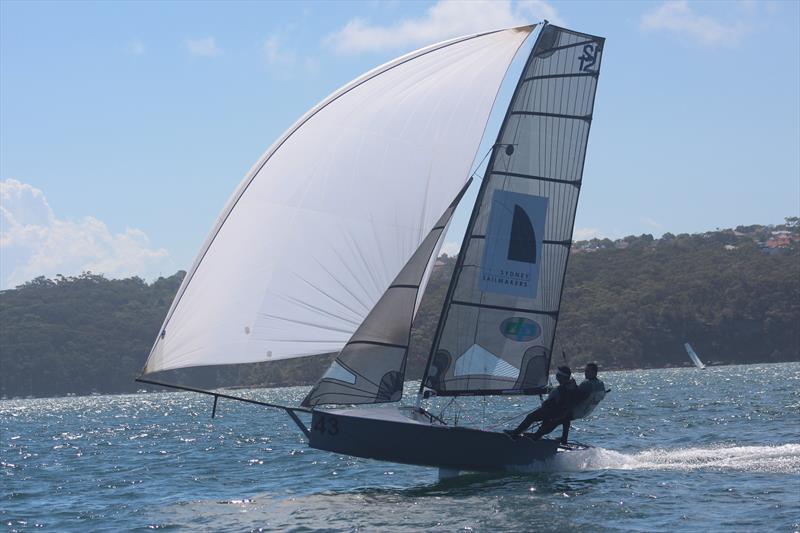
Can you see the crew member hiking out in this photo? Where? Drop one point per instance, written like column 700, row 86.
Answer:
column 585, row 398
column 555, row 410
column 590, row 393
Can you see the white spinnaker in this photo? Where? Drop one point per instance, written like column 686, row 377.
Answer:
column 329, row 215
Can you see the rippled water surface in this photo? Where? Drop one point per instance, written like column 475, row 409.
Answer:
column 679, row 449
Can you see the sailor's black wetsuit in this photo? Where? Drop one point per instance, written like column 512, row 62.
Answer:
column 555, row 410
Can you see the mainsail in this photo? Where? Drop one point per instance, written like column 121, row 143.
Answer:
column 497, row 327
column 311, row 241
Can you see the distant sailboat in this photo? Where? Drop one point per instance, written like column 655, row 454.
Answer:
column 329, row 241
column 693, row 356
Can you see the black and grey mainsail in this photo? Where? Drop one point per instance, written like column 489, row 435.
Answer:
column 497, row 327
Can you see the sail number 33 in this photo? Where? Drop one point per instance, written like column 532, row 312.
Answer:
column 326, row 424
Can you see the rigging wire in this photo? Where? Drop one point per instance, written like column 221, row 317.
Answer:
column 447, row 406
column 475, row 174
column 503, row 421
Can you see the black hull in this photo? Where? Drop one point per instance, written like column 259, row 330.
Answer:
column 386, row 434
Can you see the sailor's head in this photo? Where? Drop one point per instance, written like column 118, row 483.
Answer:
column 563, row 374
column 590, row 371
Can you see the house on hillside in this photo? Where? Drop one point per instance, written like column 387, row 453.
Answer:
column 780, row 239
column 585, row 247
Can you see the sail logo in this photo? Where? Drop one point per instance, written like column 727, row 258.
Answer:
column 589, row 57
column 520, row 329
column 513, row 244
column 522, row 244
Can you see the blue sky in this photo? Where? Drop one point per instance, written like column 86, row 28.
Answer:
column 124, row 127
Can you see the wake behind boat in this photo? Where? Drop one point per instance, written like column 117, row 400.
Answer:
column 329, row 241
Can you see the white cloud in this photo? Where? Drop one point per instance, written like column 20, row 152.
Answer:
column 450, row 248
column 678, row 17
column 206, row 47
column 135, row 47
column 35, row 242
column 586, row 234
column 647, row 221
column 285, row 63
column 749, row 7
column 756, row 8
column 443, row 20
column 274, row 52
column 311, row 66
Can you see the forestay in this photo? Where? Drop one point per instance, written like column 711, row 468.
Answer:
column 328, row 217
column 498, row 324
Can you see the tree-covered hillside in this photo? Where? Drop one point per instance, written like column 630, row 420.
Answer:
column 79, row 334
column 631, row 303
column 636, row 307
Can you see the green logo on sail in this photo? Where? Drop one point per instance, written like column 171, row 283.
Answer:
column 520, row 329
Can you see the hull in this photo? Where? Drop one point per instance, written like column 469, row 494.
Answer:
column 386, row 434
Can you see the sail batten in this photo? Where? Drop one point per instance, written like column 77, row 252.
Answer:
column 505, row 295
column 325, row 221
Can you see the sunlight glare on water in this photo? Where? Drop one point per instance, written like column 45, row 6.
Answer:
column 674, row 449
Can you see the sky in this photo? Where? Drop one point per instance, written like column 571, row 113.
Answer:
column 125, row 126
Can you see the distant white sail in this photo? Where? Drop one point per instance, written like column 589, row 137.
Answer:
column 693, row 356
column 331, row 213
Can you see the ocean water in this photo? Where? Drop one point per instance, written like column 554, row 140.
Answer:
column 676, row 449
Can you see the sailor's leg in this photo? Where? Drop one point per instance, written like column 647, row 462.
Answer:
column 546, row 427
column 530, row 419
column 565, row 431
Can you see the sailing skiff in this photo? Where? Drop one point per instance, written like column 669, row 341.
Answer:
column 693, row 356
column 328, row 243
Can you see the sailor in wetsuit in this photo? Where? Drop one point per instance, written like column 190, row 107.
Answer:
column 555, row 410
column 585, row 399
column 590, row 393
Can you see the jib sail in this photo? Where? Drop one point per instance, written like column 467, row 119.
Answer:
column 371, row 367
